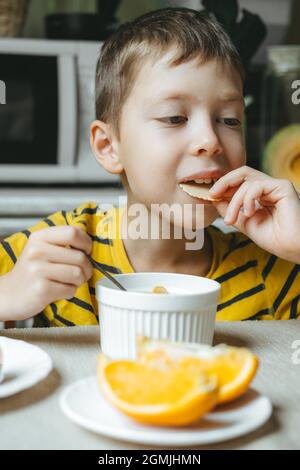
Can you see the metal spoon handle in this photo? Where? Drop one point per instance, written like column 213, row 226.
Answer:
column 106, row 274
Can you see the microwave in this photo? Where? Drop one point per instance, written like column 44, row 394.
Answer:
column 49, row 105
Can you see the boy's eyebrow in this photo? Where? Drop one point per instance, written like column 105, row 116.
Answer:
column 171, row 96
column 177, row 96
column 232, row 97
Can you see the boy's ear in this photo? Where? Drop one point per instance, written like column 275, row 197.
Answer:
column 104, row 147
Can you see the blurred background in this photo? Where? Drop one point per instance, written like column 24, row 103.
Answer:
column 48, row 55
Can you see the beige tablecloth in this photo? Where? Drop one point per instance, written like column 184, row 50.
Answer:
column 33, row 420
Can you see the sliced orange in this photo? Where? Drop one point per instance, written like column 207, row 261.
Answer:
column 163, row 392
column 235, row 367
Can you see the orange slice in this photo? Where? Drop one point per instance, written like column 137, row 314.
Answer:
column 161, row 393
column 234, row 367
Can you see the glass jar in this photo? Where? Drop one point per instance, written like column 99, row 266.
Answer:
column 280, row 114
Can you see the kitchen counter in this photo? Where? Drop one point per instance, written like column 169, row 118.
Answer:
column 33, row 419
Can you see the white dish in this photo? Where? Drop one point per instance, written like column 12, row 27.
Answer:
column 23, row 366
column 97, row 415
column 187, row 313
column 1, row 366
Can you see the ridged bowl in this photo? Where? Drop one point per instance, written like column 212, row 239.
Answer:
column 186, row 314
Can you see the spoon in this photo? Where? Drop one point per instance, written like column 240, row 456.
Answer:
column 103, row 271
column 106, row 274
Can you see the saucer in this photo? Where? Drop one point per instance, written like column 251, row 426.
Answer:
column 83, row 403
column 23, row 366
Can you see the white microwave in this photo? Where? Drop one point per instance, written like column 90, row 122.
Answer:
column 48, row 107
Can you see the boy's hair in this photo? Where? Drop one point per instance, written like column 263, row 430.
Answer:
column 148, row 37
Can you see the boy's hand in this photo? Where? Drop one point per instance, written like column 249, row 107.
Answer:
column 274, row 224
column 47, row 271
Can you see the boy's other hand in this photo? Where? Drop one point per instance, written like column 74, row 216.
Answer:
column 273, row 222
column 53, row 264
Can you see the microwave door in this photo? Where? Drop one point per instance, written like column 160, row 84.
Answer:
column 29, row 117
column 68, row 113
column 38, row 122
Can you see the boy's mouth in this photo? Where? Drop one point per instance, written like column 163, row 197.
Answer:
column 201, row 191
column 199, row 188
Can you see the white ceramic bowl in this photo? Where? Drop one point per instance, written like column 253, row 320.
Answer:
column 186, row 314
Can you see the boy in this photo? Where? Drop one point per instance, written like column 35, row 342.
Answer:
column 169, row 109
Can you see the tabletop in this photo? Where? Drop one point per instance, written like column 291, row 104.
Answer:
column 33, row 419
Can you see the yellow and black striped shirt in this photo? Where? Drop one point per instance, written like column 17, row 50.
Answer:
column 255, row 285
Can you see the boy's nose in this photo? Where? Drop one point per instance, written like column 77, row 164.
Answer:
column 206, row 143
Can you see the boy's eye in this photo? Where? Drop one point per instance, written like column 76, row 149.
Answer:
column 174, row 120
column 231, row 122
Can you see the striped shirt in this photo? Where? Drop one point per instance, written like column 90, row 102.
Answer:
column 255, row 285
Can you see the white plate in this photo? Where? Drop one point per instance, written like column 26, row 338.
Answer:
column 23, row 366
column 83, row 403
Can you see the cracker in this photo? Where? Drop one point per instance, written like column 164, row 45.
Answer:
column 201, row 191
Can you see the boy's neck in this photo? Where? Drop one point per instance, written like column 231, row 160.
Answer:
column 166, row 255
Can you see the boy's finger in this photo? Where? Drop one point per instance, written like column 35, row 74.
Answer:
column 227, row 186
column 66, row 236
column 61, row 255
column 221, row 207
column 230, row 191
column 66, row 274
column 239, row 223
column 59, row 290
column 237, row 177
column 236, row 204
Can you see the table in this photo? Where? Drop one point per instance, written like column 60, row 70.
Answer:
column 33, row 420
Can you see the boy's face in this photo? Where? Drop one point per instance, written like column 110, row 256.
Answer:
column 165, row 140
